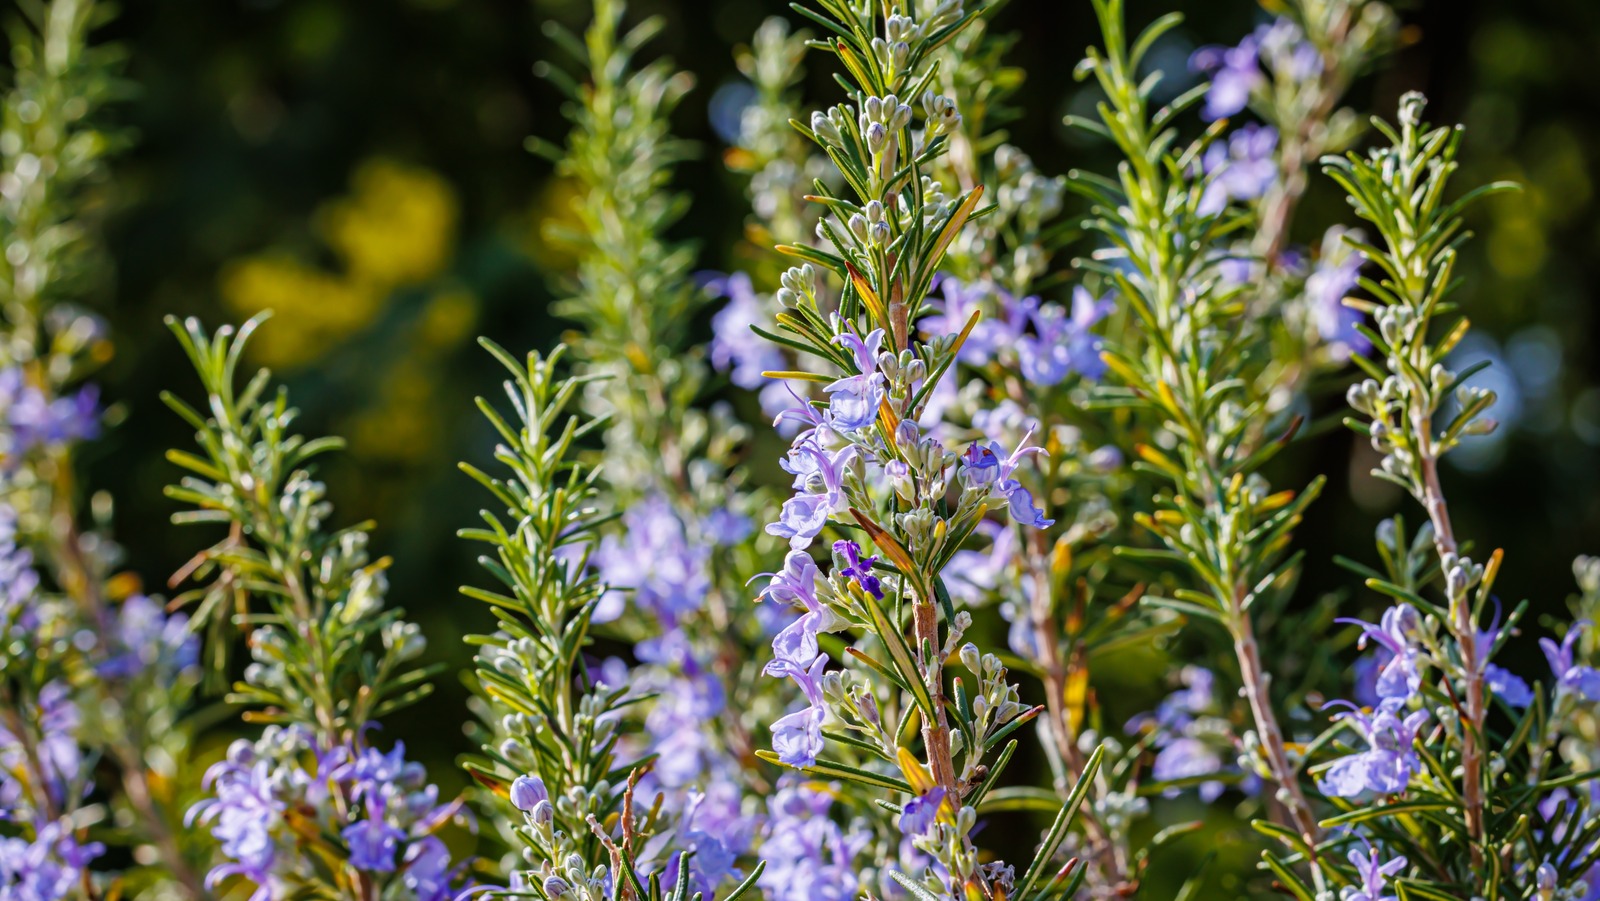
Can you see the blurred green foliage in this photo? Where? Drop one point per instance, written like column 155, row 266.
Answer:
column 358, row 166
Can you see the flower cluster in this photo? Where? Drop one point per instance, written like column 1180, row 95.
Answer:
column 273, row 795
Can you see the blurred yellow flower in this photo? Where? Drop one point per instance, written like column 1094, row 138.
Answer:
column 315, row 309
column 396, row 228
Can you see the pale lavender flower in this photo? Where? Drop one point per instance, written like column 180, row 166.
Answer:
column 795, row 584
column 35, row 421
column 1399, row 677
column 1374, row 873
column 654, row 557
column 820, row 476
column 427, row 872
column 1235, row 74
column 715, row 836
column 1063, row 345
column 972, row 576
column 527, row 792
column 1577, row 678
column 809, row 856
column 797, row 737
column 854, row 400
column 994, row 333
column 48, row 868
column 1242, row 168
column 146, row 641
column 800, row 420
column 984, row 467
column 734, row 346
column 1188, row 758
column 53, row 718
column 1005, row 422
column 1335, row 278
column 372, row 841
column 726, row 527
column 1185, row 734
column 19, row 581
column 243, row 815
column 1390, row 761
column 378, row 803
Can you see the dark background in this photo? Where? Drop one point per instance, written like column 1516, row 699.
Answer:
column 251, row 117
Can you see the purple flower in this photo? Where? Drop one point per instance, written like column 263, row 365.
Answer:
column 1235, row 74
column 654, row 557
column 980, row 466
column 36, row 421
column 1400, row 677
column 809, row 856
column 1287, row 52
column 1241, row 169
column 1062, row 345
column 1335, row 278
column 427, row 871
column 49, row 868
column 373, row 842
column 1581, row 680
column 1508, row 686
column 243, row 814
column 52, row 719
column 19, row 581
column 801, row 519
column 712, row 827
column 1187, row 758
column 733, row 344
column 1390, row 761
column 795, row 584
column 797, row 737
column 858, row 567
column 1004, row 422
column 146, row 640
column 991, row 335
column 820, row 477
column 984, row 467
column 1186, row 735
column 854, row 400
column 378, row 803
column 800, row 421
column 795, row 645
column 725, row 528
column 920, row 813
column 1374, row 873
column 973, row 575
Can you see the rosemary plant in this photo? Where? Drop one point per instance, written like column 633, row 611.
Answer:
column 309, row 806
column 91, row 670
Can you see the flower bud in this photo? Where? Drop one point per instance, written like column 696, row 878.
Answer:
column 527, row 792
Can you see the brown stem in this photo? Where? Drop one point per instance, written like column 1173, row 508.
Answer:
column 1465, row 631
column 1257, row 691
column 935, row 730
column 1107, row 854
column 137, row 789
